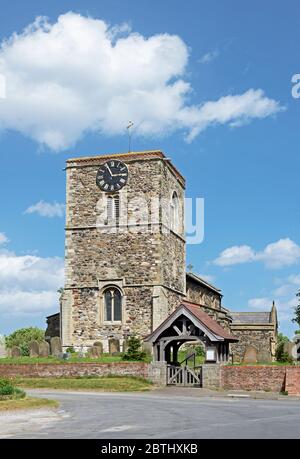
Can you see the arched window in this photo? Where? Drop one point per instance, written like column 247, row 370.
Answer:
column 112, row 305
column 113, row 209
column 174, row 212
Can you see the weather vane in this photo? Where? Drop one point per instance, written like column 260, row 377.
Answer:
column 130, row 125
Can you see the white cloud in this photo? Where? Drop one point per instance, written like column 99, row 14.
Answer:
column 3, row 238
column 284, row 296
column 285, row 307
column 29, row 284
column 46, row 209
column 284, row 252
column 79, row 75
column 235, row 255
column 210, row 56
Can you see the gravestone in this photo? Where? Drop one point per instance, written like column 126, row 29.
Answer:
column 250, row 355
column 3, row 350
column 95, row 352
column 125, row 345
column 114, row 346
column 15, row 351
column 264, row 356
column 55, row 345
column 44, row 349
column 34, row 348
column 99, row 345
column 296, row 341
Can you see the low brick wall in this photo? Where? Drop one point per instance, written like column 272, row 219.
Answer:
column 44, row 370
column 292, row 385
column 260, row 377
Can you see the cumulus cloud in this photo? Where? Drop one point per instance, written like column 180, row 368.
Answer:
column 285, row 306
column 3, row 238
column 235, row 255
column 46, row 209
column 284, row 252
column 29, row 284
column 284, row 296
column 80, row 75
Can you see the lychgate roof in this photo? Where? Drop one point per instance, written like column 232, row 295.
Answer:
column 200, row 318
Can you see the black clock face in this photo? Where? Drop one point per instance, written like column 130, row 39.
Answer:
column 112, row 176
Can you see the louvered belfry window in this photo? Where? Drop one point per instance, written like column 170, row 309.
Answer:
column 113, row 209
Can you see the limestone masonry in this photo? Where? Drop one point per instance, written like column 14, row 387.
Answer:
column 125, row 262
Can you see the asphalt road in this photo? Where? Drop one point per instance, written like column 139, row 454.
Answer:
column 154, row 416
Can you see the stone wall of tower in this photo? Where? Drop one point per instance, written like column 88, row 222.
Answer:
column 143, row 259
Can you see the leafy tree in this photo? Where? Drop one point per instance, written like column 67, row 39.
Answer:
column 22, row 338
column 134, row 350
column 280, row 354
column 296, row 319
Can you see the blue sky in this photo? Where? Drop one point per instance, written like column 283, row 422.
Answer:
column 241, row 154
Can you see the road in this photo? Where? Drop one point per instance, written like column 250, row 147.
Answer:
column 153, row 415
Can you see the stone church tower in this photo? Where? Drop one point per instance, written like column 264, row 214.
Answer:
column 125, row 247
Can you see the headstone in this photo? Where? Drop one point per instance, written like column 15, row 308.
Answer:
column 125, row 345
column 44, row 349
column 250, row 355
column 99, row 345
column 15, row 351
column 296, row 340
column 288, row 348
column 264, row 356
column 55, row 345
column 3, row 350
column 114, row 346
column 95, row 352
column 33, row 348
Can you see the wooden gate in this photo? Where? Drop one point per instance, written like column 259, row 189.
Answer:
column 184, row 376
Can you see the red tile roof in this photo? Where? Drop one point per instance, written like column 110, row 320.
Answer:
column 210, row 323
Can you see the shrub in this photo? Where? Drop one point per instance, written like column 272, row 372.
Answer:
column 70, row 350
column 22, row 338
column 9, row 391
column 134, row 351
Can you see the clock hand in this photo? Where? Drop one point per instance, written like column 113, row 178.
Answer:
column 119, row 175
column 109, row 169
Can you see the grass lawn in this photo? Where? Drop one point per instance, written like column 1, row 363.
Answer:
column 105, row 358
column 105, row 384
column 27, row 403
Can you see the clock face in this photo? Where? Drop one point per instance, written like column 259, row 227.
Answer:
column 112, row 176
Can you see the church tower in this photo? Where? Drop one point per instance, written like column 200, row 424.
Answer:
column 124, row 247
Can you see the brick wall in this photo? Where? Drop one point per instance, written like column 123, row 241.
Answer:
column 44, row 370
column 262, row 377
column 293, row 381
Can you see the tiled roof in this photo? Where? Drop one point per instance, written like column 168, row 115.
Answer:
column 251, row 317
column 210, row 323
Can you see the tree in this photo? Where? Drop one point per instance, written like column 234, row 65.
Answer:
column 134, row 351
column 296, row 319
column 280, row 354
column 22, row 338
